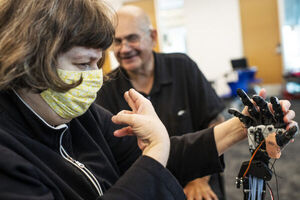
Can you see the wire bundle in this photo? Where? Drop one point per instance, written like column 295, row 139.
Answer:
column 256, row 188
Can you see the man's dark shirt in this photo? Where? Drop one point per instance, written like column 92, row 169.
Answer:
column 182, row 97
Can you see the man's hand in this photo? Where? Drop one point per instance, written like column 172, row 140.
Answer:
column 199, row 189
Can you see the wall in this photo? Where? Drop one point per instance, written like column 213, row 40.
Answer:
column 213, row 34
column 115, row 4
column 149, row 7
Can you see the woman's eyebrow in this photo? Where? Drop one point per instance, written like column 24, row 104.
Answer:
column 89, row 56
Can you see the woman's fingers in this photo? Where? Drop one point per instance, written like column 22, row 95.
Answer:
column 291, row 124
column 124, row 117
column 136, row 97
column 123, row 132
column 142, row 104
column 130, row 102
column 135, row 100
column 285, row 104
column 263, row 93
column 289, row 116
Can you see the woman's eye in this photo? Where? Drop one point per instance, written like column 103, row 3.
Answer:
column 84, row 66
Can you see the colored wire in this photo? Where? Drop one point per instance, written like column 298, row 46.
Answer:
column 276, row 178
column 252, row 158
column 271, row 192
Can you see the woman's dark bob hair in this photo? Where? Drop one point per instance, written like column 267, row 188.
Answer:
column 34, row 32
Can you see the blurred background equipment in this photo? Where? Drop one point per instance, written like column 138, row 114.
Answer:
column 246, row 77
column 292, row 85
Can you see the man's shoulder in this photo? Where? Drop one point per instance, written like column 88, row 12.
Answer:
column 113, row 78
column 174, row 56
column 177, row 61
column 114, row 73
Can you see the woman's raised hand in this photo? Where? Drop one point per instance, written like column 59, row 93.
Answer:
column 144, row 123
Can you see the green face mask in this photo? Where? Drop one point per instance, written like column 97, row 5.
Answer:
column 76, row 101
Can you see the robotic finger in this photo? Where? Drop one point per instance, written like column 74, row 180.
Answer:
column 247, row 102
column 247, row 121
column 284, row 138
column 266, row 115
column 278, row 113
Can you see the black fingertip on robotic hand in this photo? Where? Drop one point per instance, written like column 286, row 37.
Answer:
column 247, row 121
column 278, row 113
column 267, row 116
column 284, row 138
column 247, row 102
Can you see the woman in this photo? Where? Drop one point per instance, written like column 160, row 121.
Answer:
column 56, row 144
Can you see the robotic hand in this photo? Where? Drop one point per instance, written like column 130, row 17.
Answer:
column 261, row 125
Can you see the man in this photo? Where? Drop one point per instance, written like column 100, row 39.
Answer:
column 179, row 92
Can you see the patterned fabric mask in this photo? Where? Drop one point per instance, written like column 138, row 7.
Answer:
column 76, row 101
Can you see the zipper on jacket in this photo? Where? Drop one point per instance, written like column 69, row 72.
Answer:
column 79, row 165
column 63, row 152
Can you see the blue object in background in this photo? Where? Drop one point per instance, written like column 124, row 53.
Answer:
column 292, row 12
column 246, row 77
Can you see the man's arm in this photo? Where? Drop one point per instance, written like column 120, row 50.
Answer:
column 200, row 188
column 206, row 107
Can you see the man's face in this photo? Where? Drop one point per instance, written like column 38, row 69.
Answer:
column 133, row 45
